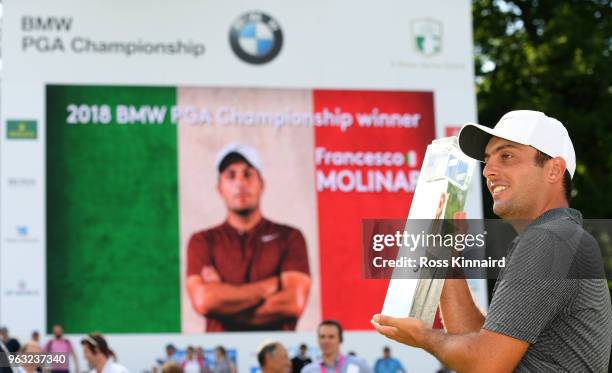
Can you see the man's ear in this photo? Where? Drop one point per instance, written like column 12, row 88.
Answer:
column 263, row 184
column 556, row 169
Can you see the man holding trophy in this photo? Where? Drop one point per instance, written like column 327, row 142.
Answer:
column 535, row 322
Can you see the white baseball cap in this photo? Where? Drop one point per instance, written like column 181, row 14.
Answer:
column 248, row 152
column 526, row 127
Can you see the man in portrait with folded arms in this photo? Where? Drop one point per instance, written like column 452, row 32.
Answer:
column 248, row 273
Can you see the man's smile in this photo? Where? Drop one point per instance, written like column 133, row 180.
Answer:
column 499, row 188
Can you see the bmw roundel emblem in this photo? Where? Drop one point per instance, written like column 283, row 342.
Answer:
column 256, row 37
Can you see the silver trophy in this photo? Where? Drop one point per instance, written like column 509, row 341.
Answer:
column 441, row 192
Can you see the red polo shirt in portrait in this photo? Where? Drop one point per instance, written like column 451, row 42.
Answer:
column 266, row 250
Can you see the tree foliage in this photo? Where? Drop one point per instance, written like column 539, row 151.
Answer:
column 553, row 56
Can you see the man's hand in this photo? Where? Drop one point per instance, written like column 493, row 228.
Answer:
column 287, row 303
column 210, row 275
column 481, row 351
column 460, row 313
column 220, row 298
column 409, row 330
column 460, row 226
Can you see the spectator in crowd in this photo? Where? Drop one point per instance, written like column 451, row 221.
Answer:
column 35, row 337
column 171, row 366
column 273, row 358
column 172, row 354
column 4, row 363
column 191, row 363
column 61, row 345
column 30, row 347
column 301, row 359
column 12, row 345
column 98, row 355
column 388, row 364
column 199, row 351
column 222, row 363
column 329, row 335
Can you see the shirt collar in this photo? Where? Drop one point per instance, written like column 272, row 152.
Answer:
column 336, row 361
column 557, row 214
column 256, row 228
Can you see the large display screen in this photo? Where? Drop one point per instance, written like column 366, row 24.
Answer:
column 132, row 181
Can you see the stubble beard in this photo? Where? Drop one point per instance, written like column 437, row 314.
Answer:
column 244, row 212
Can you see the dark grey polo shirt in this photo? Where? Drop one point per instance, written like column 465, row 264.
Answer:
column 552, row 295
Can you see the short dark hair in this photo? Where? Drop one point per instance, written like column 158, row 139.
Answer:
column 269, row 348
column 386, row 349
column 221, row 349
column 541, row 158
column 333, row 323
column 230, row 159
column 303, row 346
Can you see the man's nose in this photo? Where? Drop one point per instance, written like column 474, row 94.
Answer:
column 490, row 170
column 240, row 180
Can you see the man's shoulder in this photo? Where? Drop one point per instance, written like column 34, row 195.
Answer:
column 208, row 234
column 272, row 231
column 551, row 235
column 563, row 223
column 284, row 229
column 216, row 229
column 557, row 240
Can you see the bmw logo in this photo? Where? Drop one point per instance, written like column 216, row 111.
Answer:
column 256, row 38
